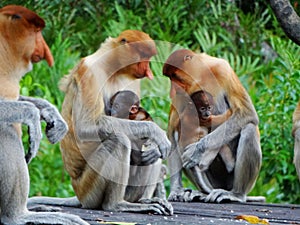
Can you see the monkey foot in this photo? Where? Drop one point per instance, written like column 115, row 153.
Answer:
column 186, row 195
column 167, row 207
column 221, row 195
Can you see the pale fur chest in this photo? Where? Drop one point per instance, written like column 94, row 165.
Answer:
column 121, row 83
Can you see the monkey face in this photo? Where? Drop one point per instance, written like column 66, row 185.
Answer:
column 203, row 102
column 23, row 32
column 137, row 48
column 190, row 72
column 205, row 111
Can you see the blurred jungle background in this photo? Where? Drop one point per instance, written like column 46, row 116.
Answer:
column 246, row 33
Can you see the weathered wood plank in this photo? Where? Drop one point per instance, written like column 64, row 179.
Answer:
column 198, row 213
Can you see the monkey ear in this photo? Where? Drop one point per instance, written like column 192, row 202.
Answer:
column 187, row 57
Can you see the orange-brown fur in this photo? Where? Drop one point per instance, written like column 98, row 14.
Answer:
column 117, row 65
column 190, row 72
column 296, row 135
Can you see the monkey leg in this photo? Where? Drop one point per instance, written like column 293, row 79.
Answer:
column 248, row 163
column 14, row 186
column 175, row 166
column 142, row 181
column 227, row 157
column 14, row 178
column 178, row 193
column 104, row 181
column 160, row 190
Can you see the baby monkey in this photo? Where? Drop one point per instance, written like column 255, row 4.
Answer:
column 200, row 108
column 126, row 105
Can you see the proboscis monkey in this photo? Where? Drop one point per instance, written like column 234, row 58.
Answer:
column 21, row 44
column 126, row 105
column 296, row 135
column 188, row 73
column 96, row 150
column 195, row 122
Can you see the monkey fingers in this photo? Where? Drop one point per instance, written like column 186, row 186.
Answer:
column 221, row 195
column 150, row 156
column 56, row 127
column 191, row 156
column 163, row 144
column 184, row 195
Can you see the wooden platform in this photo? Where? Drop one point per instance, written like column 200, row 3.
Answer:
column 197, row 213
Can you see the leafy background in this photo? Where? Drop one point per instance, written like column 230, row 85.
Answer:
column 245, row 33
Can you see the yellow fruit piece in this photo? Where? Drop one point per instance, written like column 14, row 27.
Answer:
column 252, row 219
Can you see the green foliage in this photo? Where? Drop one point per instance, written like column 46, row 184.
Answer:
column 76, row 28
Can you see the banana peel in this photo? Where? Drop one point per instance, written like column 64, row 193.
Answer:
column 252, row 219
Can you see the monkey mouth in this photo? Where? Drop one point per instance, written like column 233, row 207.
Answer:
column 143, row 70
column 205, row 117
column 36, row 58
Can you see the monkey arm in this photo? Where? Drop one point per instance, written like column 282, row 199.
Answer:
column 223, row 134
column 105, row 126
column 216, row 120
column 56, row 126
column 26, row 113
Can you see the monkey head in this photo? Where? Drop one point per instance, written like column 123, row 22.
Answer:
column 190, row 72
column 204, row 103
column 176, row 68
column 134, row 49
column 22, row 31
column 123, row 104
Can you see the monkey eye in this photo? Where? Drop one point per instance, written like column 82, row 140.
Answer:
column 187, row 57
column 202, row 109
column 209, row 107
column 16, row 17
column 123, row 41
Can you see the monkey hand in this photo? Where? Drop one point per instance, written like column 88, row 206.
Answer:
column 56, row 126
column 150, row 156
column 147, row 155
column 159, row 136
column 32, row 120
column 207, row 121
column 192, row 155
